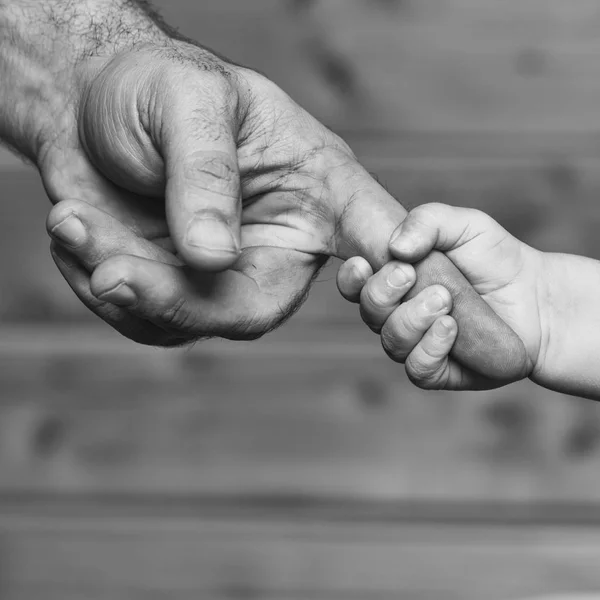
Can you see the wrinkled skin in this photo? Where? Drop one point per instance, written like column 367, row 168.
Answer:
column 162, row 134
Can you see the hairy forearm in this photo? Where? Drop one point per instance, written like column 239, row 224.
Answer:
column 569, row 297
column 43, row 44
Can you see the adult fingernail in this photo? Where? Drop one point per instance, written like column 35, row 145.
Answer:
column 435, row 304
column 70, row 232
column 120, row 295
column 398, row 278
column 444, row 327
column 213, row 235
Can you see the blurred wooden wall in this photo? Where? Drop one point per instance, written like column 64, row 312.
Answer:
column 305, row 465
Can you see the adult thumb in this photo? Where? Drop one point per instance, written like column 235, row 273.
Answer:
column 203, row 190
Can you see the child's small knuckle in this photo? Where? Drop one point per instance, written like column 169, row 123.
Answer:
column 428, row 213
column 421, row 373
column 374, row 298
column 416, row 371
column 392, row 346
column 412, row 322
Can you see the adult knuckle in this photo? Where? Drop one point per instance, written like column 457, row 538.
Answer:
column 212, row 165
column 218, row 88
column 211, row 114
column 190, row 62
column 217, row 74
column 177, row 316
column 331, row 162
column 245, row 330
column 342, row 148
column 212, row 172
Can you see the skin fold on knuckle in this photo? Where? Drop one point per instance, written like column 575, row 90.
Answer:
column 212, row 178
column 250, row 327
column 374, row 301
column 189, row 64
column 178, row 318
column 411, row 323
column 422, row 374
column 213, row 172
column 421, row 224
column 392, row 347
column 370, row 322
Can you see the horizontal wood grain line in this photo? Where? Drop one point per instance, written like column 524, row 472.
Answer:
column 62, row 591
column 322, row 339
column 255, row 560
column 482, row 145
column 31, row 511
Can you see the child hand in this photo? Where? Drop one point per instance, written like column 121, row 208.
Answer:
column 419, row 332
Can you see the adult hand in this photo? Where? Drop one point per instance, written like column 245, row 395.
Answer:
column 183, row 158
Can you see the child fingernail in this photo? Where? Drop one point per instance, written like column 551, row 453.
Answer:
column 402, row 241
column 120, row 295
column 444, row 327
column 70, row 231
column 359, row 272
column 398, row 236
column 398, row 278
column 435, row 304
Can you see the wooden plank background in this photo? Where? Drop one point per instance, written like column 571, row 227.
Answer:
column 305, row 465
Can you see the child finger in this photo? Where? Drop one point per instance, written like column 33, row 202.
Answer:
column 384, row 292
column 352, row 277
column 436, row 226
column 407, row 325
column 428, row 366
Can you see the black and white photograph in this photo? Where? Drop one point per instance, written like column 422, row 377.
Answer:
column 300, row 300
